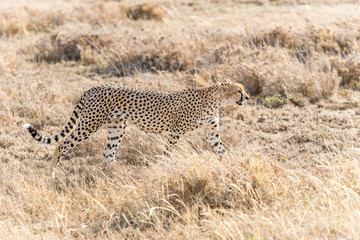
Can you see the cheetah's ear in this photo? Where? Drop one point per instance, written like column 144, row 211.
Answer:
column 225, row 81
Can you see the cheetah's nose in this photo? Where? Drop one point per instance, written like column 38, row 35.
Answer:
column 247, row 97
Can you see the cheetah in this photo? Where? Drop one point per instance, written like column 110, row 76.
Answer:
column 173, row 113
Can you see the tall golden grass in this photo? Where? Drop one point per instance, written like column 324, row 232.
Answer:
column 293, row 171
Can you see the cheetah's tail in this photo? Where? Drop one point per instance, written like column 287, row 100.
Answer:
column 69, row 126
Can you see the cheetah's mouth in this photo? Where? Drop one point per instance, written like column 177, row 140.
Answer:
column 240, row 103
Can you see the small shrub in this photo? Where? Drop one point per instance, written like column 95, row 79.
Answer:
column 277, row 100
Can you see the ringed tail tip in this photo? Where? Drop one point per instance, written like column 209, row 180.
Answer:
column 26, row 126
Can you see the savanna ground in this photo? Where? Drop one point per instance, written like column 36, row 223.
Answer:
column 294, row 167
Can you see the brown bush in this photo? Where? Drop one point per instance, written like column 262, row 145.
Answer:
column 100, row 13
column 253, row 81
column 350, row 74
column 151, row 61
column 145, row 11
column 215, row 56
column 332, row 43
column 26, row 19
column 273, row 38
column 63, row 46
column 109, row 56
column 304, row 45
column 297, row 44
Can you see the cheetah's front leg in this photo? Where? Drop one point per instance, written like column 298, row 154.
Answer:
column 173, row 138
column 115, row 133
column 213, row 136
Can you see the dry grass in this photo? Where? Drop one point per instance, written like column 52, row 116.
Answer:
column 22, row 20
column 320, row 61
column 294, row 167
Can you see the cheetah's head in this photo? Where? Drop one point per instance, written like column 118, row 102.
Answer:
column 234, row 93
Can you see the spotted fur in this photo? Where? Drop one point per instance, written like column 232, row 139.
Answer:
column 174, row 113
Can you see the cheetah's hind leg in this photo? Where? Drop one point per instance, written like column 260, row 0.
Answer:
column 54, row 161
column 80, row 133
